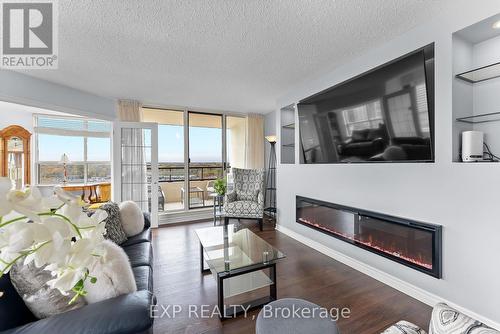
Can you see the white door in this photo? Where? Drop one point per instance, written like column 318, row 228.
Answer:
column 135, row 165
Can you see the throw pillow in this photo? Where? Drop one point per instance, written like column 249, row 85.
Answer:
column 114, row 275
column 249, row 195
column 132, row 218
column 30, row 283
column 404, row 327
column 114, row 227
column 447, row 320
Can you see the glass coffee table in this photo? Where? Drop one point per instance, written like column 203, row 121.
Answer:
column 239, row 261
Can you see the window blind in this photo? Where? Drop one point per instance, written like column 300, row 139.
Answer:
column 72, row 126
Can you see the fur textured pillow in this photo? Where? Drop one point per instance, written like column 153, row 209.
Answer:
column 132, row 218
column 114, row 275
column 30, row 283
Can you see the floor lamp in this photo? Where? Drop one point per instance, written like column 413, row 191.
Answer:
column 270, row 194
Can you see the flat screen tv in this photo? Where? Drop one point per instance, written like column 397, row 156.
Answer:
column 383, row 115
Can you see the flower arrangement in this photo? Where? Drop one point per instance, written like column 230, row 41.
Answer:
column 50, row 231
column 220, row 186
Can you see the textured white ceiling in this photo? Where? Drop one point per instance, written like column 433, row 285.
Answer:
column 233, row 55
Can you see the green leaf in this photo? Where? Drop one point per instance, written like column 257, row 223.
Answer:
column 78, row 285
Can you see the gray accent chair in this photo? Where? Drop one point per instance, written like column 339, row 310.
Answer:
column 246, row 201
column 294, row 316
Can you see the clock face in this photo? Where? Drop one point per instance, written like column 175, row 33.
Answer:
column 15, row 144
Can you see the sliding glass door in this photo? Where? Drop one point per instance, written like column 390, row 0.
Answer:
column 171, row 170
column 205, row 160
column 194, row 149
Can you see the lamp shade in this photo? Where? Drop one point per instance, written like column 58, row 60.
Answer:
column 64, row 159
column 271, row 139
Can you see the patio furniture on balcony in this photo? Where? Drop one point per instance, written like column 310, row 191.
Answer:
column 198, row 199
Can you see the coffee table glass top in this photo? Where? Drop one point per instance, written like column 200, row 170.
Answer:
column 227, row 250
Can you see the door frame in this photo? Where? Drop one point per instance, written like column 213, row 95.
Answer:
column 117, row 163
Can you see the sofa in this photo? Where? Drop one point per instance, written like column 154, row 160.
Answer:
column 125, row 314
column 444, row 320
column 365, row 143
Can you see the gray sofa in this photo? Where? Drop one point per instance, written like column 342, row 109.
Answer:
column 124, row 314
column 444, row 320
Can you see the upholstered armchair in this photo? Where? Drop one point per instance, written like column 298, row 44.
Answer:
column 246, row 201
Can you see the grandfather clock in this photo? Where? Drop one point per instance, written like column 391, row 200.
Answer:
column 15, row 155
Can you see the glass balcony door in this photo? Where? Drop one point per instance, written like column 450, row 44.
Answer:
column 206, row 157
column 171, row 156
column 194, row 149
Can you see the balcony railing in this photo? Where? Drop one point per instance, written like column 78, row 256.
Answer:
column 197, row 173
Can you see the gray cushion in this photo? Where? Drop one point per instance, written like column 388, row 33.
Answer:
column 248, row 209
column 114, row 228
column 144, row 236
column 446, row 320
column 140, row 254
column 271, row 321
column 31, row 284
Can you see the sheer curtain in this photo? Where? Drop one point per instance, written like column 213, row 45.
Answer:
column 255, row 141
column 134, row 156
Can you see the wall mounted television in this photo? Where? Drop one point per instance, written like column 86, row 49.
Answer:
column 383, row 115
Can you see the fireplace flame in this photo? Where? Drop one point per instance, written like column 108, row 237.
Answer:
column 369, row 242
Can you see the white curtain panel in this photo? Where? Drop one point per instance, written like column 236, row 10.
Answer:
column 134, row 151
column 255, row 141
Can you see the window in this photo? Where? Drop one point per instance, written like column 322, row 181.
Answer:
column 423, row 112
column 365, row 116
column 86, row 142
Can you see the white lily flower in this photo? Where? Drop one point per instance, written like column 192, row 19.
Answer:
column 66, row 279
column 54, row 233
column 67, row 242
column 14, row 238
column 28, row 202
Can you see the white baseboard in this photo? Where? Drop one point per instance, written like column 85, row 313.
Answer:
column 398, row 284
column 185, row 216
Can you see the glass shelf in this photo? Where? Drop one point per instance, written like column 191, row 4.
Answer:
column 481, row 74
column 287, row 122
column 482, row 118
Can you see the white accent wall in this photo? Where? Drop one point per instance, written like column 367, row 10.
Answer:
column 464, row 198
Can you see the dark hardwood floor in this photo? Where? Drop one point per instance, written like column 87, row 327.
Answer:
column 305, row 273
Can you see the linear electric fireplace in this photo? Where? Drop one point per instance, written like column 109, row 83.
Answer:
column 414, row 244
